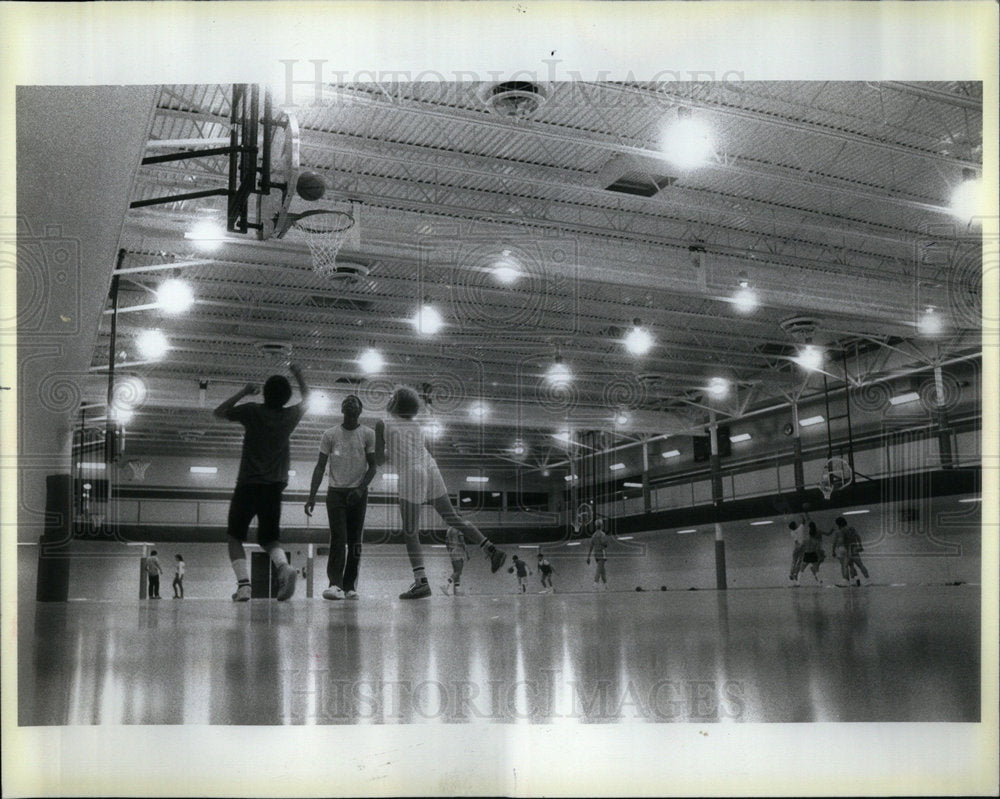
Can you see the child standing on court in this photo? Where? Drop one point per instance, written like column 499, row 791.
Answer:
column 521, row 568
column 598, row 544
column 455, row 543
column 545, row 570
column 178, row 583
column 154, row 570
column 263, row 475
column 400, row 440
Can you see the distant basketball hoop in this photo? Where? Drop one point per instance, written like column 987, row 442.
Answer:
column 837, row 474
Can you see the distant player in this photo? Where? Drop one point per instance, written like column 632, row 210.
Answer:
column 400, row 441
column 847, row 549
column 521, row 568
column 458, row 553
column 545, row 572
column 263, row 475
column 799, row 533
column 812, row 551
column 598, row 545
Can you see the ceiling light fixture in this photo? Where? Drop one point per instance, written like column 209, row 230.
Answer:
column 718, row 387
column 371, row 361
column 810, row 358
column 427, row 321
column 931, row 323
column 506, row 269
column 638, row 341
column 687, row 142
column 559, row 374
column 152, row 344
column 174, row 296
column 967, row 198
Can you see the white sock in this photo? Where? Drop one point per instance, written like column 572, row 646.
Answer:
column 241, row 570
column 277, row 555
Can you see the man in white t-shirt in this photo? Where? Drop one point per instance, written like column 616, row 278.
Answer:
column 349, row 448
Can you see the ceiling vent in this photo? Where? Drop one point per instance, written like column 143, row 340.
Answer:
column 515, row 99
column 274, row 351
column 800, row 328
column 626, row 174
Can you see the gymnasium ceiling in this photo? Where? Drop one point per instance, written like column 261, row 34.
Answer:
column 829, row 199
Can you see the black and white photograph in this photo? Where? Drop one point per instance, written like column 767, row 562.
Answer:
column 539, row 399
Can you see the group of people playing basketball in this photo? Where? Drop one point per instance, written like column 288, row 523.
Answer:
column 807, row 549
column 351, row 453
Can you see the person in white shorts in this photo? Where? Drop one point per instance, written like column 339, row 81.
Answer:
column 400, row 441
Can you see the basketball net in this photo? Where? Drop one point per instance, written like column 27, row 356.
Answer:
column 826, row 486
column 326, row 233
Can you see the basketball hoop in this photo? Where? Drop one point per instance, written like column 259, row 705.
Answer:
column 837, row 474
column 826, row 486
column 327, row 231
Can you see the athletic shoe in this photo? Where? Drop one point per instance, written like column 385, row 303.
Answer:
column 417, row 591
column 457, row 591
column 286, row 582
column 352, row 594
column 445, row 589
column 333, row 592
column 497, row 558
column 858, row 581
column 242, row 593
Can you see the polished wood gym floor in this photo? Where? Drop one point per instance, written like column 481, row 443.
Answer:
column 806, row 654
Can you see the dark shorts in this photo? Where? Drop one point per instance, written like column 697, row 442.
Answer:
column 546, row 570
column 260, row 500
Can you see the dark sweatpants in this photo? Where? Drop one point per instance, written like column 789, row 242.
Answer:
column 347, row 524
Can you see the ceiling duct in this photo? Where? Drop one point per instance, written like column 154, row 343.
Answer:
column 640, row 177
column 274, row 351
column 801, row 328
column 516, row 99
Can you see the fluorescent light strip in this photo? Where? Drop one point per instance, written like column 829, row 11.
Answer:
column 760, row 524
column 204, row 470
column 900, row 399
column 569, row 478
column 390, row 476
column 973, row 499
column 672, row 453
column 474, row 479
column 854, row 512
column 97, row 466
column 624, row 538
column 811, row 421
column 685, row 532
column 616, row 467
column 573, row 544
column 738, row 438
column 437, row 546
column 527, row 546
column 632, row 485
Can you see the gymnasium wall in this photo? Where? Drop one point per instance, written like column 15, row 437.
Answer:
column 941, row 544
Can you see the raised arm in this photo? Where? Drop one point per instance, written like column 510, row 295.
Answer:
column 380, row 442
column 296, row 371
column 224, row 407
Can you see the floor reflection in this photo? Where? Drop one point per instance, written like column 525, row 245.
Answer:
column 794, row 655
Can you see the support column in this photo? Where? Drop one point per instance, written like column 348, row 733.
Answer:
column 647, row 505
column 944, row 431
column 716, row 471
column 309, row 571
column 800, row 480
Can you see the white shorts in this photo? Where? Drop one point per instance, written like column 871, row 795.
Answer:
column 422, row 484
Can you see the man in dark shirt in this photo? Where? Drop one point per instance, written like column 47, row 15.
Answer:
column 263, row 475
